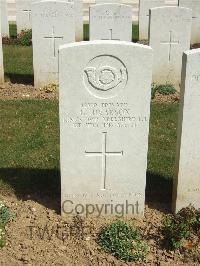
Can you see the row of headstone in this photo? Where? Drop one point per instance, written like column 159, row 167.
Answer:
column 110, row 22
column 24, row 16
column 146, row 5
column 104, row 121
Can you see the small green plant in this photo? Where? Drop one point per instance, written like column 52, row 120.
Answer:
column 178, row 227
column 2, row 237
column 5, row 216
column 154, row 88
column 123, row 241
column 24, row 38
column 166, row 89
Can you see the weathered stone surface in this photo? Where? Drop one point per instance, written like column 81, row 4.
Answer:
column 53, row 24
column 4, row 19
column 23, row 15
column 144, row 7
column 104, row 123
column 187, row 179
column 195, row 6
column 78, row 11
column 111, row 22
column 170, row 30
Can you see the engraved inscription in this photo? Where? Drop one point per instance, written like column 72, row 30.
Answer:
column 105, row 115
column 104, row 154
column 28, row 12
column 170, row 43
column 53, row 39
column 105, row 76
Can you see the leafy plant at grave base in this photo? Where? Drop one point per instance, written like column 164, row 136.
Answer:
column 123, row 241
column 24, row 38
column 2, row 237
column 166, row 89
column 5, row 216
column 178, row 227
column 154, row 88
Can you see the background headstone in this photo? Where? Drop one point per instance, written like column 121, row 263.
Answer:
column 195, row 6
column 4, row 19
column 111, row 22
column 144, row 7
column 23, row 15
column 170, row 30
column 187, row 180
column 53, row 24
column 78, row 11
column 1, row 60
column 104, row 120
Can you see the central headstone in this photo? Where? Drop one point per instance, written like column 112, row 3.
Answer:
column 23, row 15
column 170, row 29
column 195, row 6
column 104, row 124
column 111, row 22
column 53, row 24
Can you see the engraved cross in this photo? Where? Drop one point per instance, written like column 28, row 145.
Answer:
column 170, row 43
column 54, row 38
column 111, row 36
column 28, row 12
column 104, row 154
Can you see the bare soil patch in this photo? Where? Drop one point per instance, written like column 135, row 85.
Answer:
column 10, row 91
column 39, row 236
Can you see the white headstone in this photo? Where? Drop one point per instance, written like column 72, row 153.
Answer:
column 111, row 22
column 195, row 6
column 78, row 9
column 4, row 19
column 187, row 181
column 144, row 7
column 104, row 121
column 1, row 60
column 170, row 29
column 53, row 24
column 23, row 15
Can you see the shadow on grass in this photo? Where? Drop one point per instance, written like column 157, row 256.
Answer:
column 43, row 186
column 20, row 78
column 158, row 191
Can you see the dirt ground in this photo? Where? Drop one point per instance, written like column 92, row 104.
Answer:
column 39, row 236
column 10, row 91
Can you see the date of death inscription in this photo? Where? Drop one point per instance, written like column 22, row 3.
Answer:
column 105, row 115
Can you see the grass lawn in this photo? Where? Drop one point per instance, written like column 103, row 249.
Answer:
column 29, row 145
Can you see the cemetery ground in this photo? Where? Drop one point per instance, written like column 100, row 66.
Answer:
column 30, row 179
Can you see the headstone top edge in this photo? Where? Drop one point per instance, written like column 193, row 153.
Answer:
column 170, row 7
column 110, row 42
column 109, row 4
column 193, row 51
